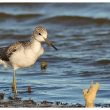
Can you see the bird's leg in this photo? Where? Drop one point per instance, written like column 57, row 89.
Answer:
column 14, row 90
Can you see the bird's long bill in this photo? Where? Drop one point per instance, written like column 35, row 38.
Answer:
column 50, row 43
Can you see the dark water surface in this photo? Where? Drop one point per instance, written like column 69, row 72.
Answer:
column 82, row 34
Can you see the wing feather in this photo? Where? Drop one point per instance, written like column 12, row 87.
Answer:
column 12, row 48
column 6, row 52
column 3, row 55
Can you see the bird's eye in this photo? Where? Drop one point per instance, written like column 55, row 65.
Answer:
column 39, row 33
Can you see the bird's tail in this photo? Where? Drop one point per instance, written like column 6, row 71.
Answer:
column 3, row 63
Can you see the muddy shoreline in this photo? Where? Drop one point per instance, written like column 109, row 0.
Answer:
column 32, row 104
column 18, row 102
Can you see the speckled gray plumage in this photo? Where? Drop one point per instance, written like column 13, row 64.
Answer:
column 6, row 52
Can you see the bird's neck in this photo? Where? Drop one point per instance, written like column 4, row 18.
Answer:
column 35, row 45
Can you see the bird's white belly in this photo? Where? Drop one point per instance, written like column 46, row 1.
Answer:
column 24, row 58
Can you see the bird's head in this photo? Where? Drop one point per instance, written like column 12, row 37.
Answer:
column 40, row 34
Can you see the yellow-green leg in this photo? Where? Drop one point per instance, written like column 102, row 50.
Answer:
column 14, row 89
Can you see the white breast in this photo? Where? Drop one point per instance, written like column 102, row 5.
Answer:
column 25, row 57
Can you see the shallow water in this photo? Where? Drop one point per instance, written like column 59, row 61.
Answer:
column 81, row 32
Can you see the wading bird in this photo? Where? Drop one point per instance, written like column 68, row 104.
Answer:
column 24, row 53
